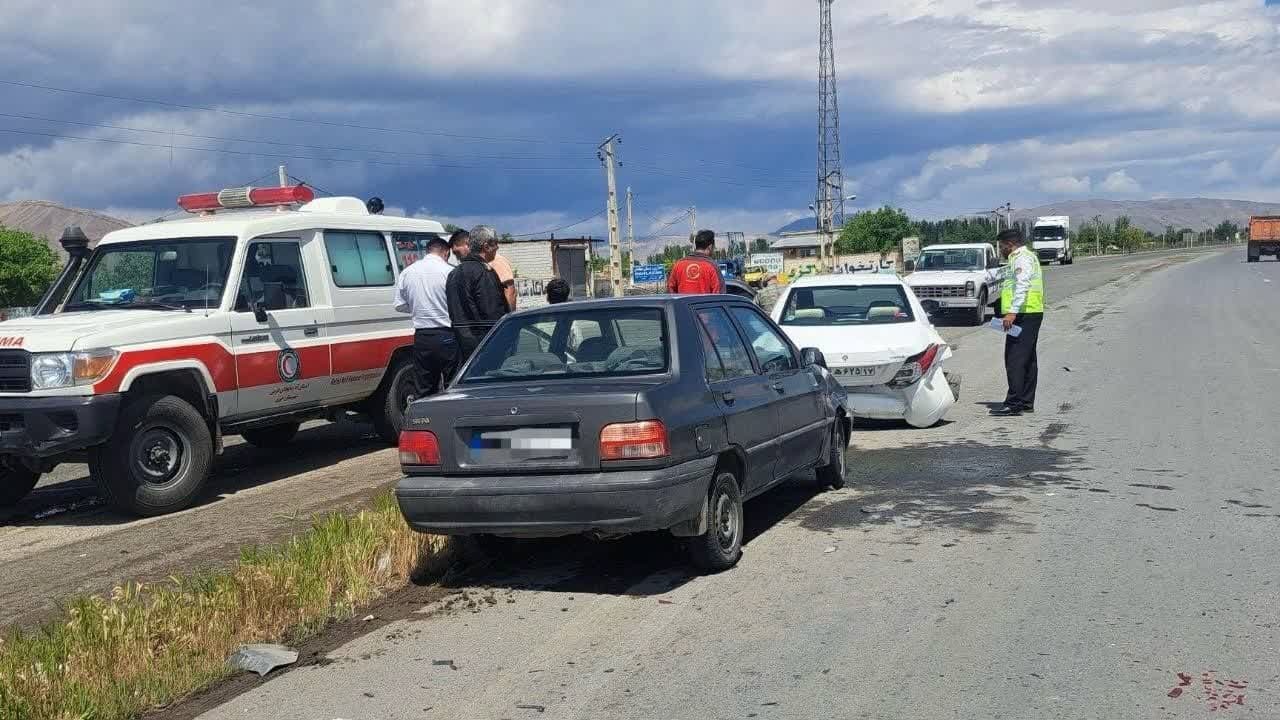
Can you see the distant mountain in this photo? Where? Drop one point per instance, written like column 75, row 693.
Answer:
column 801, row 225
column 1155, row 215
column 48, row 220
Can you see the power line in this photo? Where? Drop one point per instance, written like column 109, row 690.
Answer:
column 724, row 163
column 243, row 153
column 285, row 118
column 654, row 170
column 597, row 214
column 330, row 148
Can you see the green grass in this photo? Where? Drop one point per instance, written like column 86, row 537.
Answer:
column 110, row 658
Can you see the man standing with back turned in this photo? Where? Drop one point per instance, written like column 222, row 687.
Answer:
column 476, row 300
column 421, row 293
column 1022, row 302
column 697, row 274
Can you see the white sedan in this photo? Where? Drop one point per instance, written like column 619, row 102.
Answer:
column 878, row 343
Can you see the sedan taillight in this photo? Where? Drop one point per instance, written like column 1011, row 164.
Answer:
column 916, row 367
column 643, row 440
column 419, row 447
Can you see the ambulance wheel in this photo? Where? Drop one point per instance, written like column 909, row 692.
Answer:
column 271, row 437
column 392, row 399
column 15, row 483
column 158, row 459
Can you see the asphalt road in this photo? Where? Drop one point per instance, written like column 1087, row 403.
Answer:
column 1068, row 564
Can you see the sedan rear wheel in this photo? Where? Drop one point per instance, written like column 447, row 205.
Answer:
column 832, row 474
column 720, row 547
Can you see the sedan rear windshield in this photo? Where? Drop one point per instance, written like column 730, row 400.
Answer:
column 847, row 305
column 585, row 343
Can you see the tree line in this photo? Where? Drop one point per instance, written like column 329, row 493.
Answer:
column 881, row 231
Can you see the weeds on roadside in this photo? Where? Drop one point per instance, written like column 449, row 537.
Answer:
column 111, row 658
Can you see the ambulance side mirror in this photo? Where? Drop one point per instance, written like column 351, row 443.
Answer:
column 259, row 312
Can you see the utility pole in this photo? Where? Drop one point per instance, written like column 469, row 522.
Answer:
column 693, row 221
column 1008, row 215
column 631, row 237
column 606, row 155
column 1097, row 234
column 829, row 202
column 284, row 176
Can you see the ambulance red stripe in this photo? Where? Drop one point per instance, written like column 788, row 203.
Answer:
column 231, row 372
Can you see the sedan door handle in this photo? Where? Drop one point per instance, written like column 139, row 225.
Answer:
column 728, row 397
column 311, row 332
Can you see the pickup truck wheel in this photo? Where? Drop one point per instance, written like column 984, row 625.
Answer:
column 981, row 313
column 158, row 459
column 720, row 547
column 275, row 436
column 832, row 474
column 15, row 483
column 391, row 402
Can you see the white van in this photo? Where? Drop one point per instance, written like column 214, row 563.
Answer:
column 265, row 308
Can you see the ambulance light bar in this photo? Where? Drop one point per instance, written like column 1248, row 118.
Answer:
column 246, row 197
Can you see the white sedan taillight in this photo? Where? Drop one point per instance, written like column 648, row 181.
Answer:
column 916, row 367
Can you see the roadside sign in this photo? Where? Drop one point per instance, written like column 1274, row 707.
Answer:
column 771, row 262
column 648, row 273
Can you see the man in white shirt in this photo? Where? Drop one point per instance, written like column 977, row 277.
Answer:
column 420, row 293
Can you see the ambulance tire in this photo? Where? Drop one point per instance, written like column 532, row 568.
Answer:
column 15, row 483
column 387, row 406
column 159, row 458
column 275, row 436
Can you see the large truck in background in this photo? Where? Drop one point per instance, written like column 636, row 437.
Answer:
column 1264, row 236
column 1051, row 239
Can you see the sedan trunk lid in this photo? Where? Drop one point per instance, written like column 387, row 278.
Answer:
column 523, row 428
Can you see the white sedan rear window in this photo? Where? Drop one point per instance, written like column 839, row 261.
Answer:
column 847, row 305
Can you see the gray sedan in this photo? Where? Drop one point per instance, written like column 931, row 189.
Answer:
column 618, row 416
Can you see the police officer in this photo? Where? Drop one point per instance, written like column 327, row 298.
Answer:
column 1022, row 302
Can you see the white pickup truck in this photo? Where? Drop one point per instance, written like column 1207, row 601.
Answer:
column 959, row 279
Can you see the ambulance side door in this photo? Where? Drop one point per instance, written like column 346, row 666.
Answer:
column 277, row 332
column 364, row 328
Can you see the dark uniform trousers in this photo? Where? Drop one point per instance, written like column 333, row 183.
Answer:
column 435, row 353
column 1020, row 361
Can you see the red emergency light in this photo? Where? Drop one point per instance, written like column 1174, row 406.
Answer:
column 246, row 197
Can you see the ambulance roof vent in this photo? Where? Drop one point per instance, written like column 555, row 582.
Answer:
column 342, row 205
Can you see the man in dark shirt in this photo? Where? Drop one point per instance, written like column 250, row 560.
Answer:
column 474, row 293
column 697, row 274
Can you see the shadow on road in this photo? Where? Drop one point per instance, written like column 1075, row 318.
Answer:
column 74, row 502
column 636, row 565
column 969, row 486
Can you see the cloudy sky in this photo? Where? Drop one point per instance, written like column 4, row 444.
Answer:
column 469, row 111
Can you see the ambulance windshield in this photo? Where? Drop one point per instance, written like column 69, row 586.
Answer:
column 180, row 274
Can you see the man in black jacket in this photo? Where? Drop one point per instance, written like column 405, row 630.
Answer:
column 475, row 296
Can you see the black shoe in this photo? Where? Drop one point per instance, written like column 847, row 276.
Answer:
column 1006, row 411
column 1029, row 409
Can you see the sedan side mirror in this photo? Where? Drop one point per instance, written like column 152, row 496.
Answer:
column 813, row 356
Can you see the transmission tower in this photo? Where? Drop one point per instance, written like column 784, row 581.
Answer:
column 830, row 199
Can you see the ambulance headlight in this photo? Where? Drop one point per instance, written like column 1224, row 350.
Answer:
column 58, row 370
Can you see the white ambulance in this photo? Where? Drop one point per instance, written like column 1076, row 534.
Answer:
column 265, row 308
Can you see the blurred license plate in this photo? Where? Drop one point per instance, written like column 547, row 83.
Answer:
column 519, row 444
